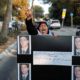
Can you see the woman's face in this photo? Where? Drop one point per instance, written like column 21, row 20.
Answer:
column 24, row 42
column 77, row 72
column 24, row 69
column 77, row 43
column 43, row 29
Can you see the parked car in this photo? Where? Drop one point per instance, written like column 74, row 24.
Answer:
column 78, row 31
column 55, row 24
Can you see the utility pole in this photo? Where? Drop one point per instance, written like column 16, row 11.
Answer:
column 32, row 7
column 71, row 14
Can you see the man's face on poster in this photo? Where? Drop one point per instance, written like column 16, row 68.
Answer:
column 24, row 42
column 24, row 69
column 77, row 72
column 77, row 43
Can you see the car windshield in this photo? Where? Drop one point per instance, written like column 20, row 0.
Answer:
column 55, row 21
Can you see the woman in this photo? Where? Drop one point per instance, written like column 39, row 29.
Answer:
column 32, row 30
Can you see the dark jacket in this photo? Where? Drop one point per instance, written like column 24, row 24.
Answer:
column 30, row 27
column 26, row 52
column 32, row 30
column 27, row 78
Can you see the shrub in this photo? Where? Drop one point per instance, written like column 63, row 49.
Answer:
column 14, row 33
column 23, row 27
column 3, row 40
column 77, row 20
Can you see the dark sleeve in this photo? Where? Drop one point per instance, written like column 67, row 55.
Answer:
column 30, row 27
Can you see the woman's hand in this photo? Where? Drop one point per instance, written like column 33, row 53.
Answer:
column 29, row 14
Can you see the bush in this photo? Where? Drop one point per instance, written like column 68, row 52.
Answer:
column 13, row 34
column 77, row 20
column 23, row 28
column 3, row 40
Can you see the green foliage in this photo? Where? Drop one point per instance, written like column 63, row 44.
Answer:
column 23, row 27
column 77, row 20
column 14, row 33
column 38, row 11
column 14, row 12
column 71, row 5
column 3, row 4
column 3, row 40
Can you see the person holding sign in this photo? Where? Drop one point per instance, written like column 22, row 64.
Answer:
column 32, row 30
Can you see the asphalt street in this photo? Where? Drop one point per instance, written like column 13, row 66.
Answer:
column 65, row 31
column 8, row 68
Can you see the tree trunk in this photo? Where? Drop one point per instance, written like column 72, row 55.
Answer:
column 32, row 6
column 32, row 9
column 7, row 18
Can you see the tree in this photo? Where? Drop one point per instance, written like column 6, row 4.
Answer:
column 7, row 18
column 38, row 11
column 56, row 9
column 2, row 8
column 20, row 6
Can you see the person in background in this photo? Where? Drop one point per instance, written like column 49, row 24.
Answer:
column 24, row 45
column 24, row 69
column 10, row 27
column 77, row 72
column 32, row 30
column 77, row 45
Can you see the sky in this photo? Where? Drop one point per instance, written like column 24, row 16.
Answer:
column 44, row 6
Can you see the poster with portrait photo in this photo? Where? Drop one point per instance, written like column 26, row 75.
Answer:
column 24, row 71
column 77, row 46
column 76, row 72
column 24, row 44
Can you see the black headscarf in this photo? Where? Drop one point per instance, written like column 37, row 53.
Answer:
column 42, row 23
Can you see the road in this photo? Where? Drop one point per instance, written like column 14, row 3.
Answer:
column 8, row 63
column 66, row 31
column 8, row 67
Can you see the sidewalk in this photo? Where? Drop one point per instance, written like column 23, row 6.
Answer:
column 10, row 51
column 8, row 67
column 66, row 31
